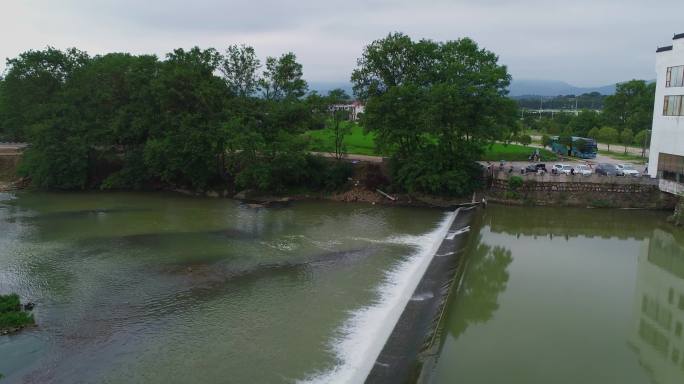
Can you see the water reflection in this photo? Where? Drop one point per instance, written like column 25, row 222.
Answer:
column 485, row 278
column 658, row 312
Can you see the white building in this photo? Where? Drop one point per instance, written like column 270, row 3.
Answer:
column 355, row 109
column 666, row 159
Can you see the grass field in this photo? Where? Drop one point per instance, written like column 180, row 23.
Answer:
column 358, row 143
column 624, row 156
column 514, row 152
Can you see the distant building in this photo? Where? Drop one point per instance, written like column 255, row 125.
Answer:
column 355, row 109
column 666, row 160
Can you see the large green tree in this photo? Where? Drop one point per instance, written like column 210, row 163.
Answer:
column 240, row 69
column 434, row 106
column 631, row 106
column 187, row 144
column 31, row 88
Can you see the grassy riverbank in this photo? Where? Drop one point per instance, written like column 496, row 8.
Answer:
column 359, row 143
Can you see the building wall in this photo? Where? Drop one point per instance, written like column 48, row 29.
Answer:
column 668, row 131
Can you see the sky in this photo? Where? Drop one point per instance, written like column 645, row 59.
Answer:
column 582, row 42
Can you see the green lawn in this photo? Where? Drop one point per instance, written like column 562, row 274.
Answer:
column 514, row 152
column 359, row 143
column 623, row 156
column 356, row 142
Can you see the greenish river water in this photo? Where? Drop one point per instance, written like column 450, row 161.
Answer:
column 153, row 288
column 567, row 296
column 161, row 288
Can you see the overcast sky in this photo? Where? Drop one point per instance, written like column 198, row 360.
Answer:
column 583, row 42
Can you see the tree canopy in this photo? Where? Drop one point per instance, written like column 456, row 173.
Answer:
column 195, row 119
column 433, row 107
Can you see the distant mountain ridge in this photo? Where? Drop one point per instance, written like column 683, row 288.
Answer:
column 518, row 88
column 531, row 87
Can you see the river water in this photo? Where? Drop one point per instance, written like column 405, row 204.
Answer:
column 156, row 288
column 567, row 296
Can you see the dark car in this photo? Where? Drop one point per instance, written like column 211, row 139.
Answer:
column 606, row 169
column 534, row 168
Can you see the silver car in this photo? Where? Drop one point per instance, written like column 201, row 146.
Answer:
column 627, row 170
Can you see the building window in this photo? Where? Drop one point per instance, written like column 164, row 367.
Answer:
column 675, row 76
column 673, row 106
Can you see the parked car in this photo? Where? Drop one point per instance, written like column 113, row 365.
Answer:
column 606, row 169
column 584, row 170
column 535, row 168
column 627, row 170
column 561, row 169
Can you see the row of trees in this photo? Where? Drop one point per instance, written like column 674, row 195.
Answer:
column 196, row 118
column 626, row 119
column 433, row 106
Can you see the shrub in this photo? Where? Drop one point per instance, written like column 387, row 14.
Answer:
column 515, row 182
column 15, row 319
column 11, row 315
column 9, row 303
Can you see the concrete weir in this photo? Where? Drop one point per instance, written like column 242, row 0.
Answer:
column 398, row 359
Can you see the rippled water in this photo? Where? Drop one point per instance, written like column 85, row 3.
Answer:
column 166, row 289
column 567, row 296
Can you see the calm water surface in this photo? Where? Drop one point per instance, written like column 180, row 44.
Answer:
column 153, row 288
column 567, row 296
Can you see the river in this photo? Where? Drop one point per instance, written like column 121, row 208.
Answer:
column 163, row 288
column 567, row 296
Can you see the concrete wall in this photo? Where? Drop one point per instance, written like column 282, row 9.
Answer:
column 668, row 131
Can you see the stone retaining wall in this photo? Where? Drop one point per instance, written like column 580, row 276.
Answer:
column 583, row 191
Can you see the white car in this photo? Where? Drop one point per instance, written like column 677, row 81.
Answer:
column 627, row 170
column 583, row 170
column 563, row 169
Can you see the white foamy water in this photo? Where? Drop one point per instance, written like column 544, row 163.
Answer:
column 365, row 333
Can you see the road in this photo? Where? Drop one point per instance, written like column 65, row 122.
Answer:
column 17, row 148
column 11, row 149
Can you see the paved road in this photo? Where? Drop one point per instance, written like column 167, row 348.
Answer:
column 352, row 157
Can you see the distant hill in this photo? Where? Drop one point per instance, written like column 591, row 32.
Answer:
column 519, row 88
column 323, row 87
column 530, row 87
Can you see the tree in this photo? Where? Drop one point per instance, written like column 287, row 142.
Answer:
column 385, row 63
column 631, row 106
column 626, row 137
column 593, row 133
column 525, row 140
column 282, row 78
column 585, row 121
column 239, row 67
column 433, row 107
column 31, row 86
column 188, row 142
column 608, row 135
column 340, row 124
column 643, row 140
column 546, row 141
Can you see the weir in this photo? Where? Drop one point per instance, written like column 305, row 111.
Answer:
column 398, row 361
